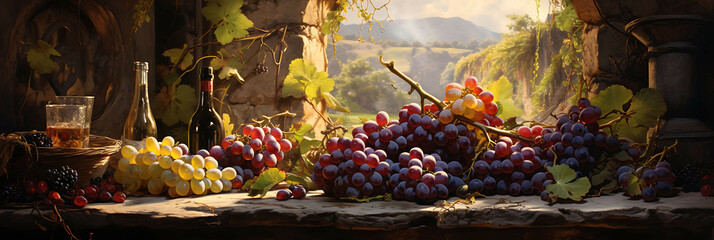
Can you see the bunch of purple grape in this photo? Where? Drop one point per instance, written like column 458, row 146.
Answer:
column 256, row 149
column 653, row 182
column 402, row 157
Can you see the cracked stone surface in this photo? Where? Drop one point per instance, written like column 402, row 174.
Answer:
column 686, row 211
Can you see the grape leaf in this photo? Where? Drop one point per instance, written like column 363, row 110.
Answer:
column 305, row 181
column 611, row 98
column 602, row 176
column 633, row 185
column 305, row 80
column 266, row 181
column 182, row 103
column 564, row 186
column 227, row 125
column 332, row 23
column 385, row 197
column 622, row 156
column 230, row 22
column 308, row 143
column 646, row 107
column 333, row 103
column 299, row 131
column 637, row 133
column 40, row 58
column 229, row 64
column 174, row 55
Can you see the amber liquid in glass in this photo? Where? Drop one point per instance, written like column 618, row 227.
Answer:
column 68, row 136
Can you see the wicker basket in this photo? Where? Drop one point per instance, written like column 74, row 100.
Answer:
column 20, row 160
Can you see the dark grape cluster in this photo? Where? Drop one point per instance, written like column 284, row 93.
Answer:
column 38, row 139
column 658, row 181
column 416, row 158
column 62, row 179
column 10, row 193
column 256, row 149
column 260, row 68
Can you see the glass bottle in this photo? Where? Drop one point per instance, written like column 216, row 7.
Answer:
column 205, row 129
column 140, row 122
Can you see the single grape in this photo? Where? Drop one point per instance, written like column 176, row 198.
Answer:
column 525, row 131
column 649, row 194
column 476, row 185
column 440, row 177
column 414, row 172
column 283, row 195
column 358, row 179
column 502, row 188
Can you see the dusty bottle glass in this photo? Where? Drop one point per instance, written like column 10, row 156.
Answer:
column 206, row 127
column 140, row 122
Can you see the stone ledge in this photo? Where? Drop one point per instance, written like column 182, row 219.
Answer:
column 687, row 211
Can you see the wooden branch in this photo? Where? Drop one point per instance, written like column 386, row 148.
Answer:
column 425, row 95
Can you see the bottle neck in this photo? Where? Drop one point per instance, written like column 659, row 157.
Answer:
column 141, row 86
column 206, row 98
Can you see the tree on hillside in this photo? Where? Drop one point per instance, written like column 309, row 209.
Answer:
column 363, row 89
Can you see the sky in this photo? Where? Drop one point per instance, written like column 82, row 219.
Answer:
column 490, row 14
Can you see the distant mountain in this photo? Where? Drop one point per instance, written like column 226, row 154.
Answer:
column 424, row 30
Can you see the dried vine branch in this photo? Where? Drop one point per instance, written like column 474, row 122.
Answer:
column 425, row 95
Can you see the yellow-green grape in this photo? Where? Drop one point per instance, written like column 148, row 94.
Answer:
column 208, row 185
column 198, row 186
column 469, row 113
column 119, row 176
column 128, row 151
column 168, row 141
column 229, row 173
column 155, row 170
column 172, row 179
column 132, row 171
column 216, row 186
column 164, row 174
column 131, row 185
column 176, row 152
column 166, row 150
column 144, row 173
column 172, row 192
column 185, row 158
column 123, row 163
column 227, row 184
column 186, row 171
column 165, row 162
column 155, row 186
column 153, row 145
column 135, row 157
column 470, row 101
column 182, row 187
column 479, row 105
column 143, row 150
column 458, row 107
column 213, row 174
column 198, row 162
column 176, row 165
column 150, row 158
column 199, row 173
column 211, row 163
column 453, row 94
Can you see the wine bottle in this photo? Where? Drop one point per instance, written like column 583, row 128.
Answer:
column 205, row 129
column 140, row 122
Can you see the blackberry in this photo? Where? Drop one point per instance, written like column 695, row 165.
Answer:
column 38, row 139
column 260, row 68
column 689, row 176
column 62, row 179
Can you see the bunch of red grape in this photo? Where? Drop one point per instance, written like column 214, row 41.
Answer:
column 707, row 182
column 294, row 191
column 101, row 189
column 402, row 157
column 470, row 101
column 256, row 148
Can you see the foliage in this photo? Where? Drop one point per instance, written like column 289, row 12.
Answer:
column 227, row 125
column 643, row 111
column 363, row 89
column 141, row 13
column 230, row 22
column 265, row 182
column 503, row 96
column 565, row 186
column 175, row 102
column 365, row 9
column 305, row 81
column 228, row 63
column 40, row 58
column 174, row 56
